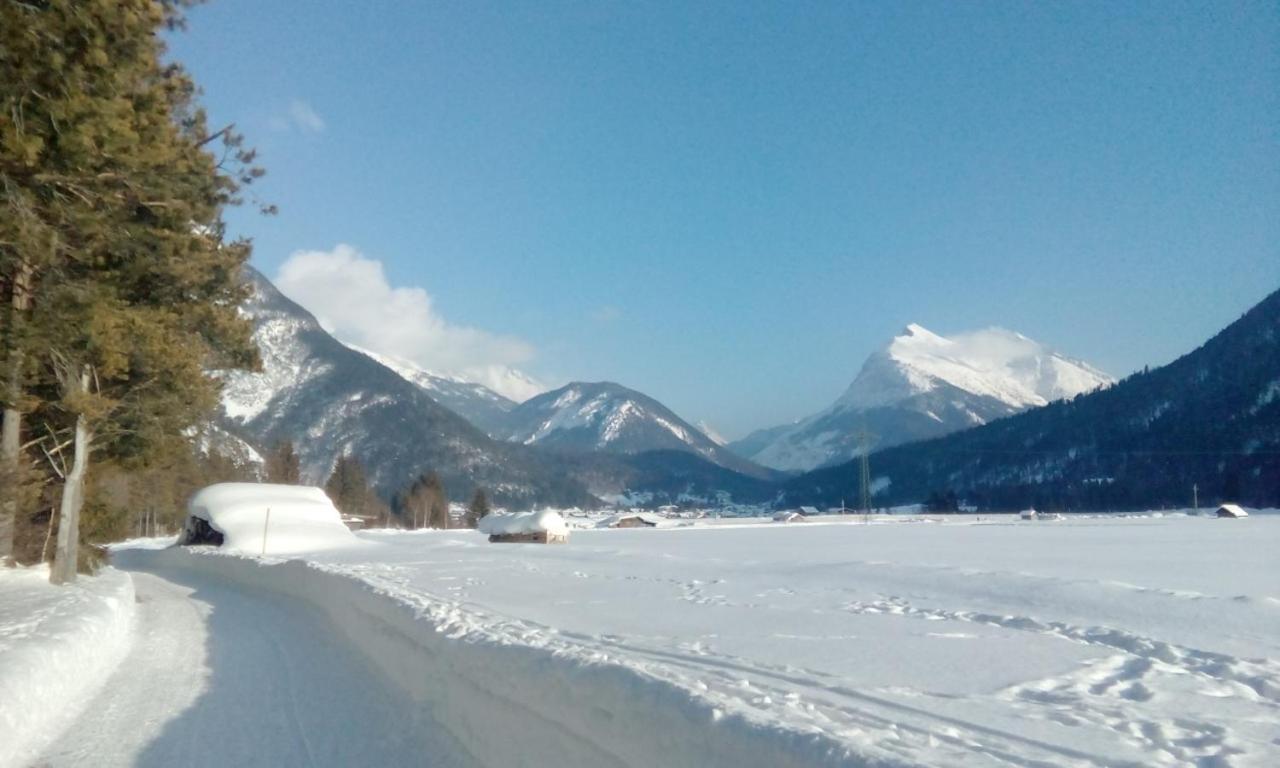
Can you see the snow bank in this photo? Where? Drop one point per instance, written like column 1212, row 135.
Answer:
column 548, row 520
column 58, row 645
column 292, row 518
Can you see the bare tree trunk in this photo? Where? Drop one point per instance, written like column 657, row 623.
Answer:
column 67, row 552
column 11, row 431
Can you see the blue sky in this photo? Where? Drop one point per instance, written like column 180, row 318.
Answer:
column 728, row 206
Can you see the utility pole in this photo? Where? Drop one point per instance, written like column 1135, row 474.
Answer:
column 1195, row 497
column 864, row 449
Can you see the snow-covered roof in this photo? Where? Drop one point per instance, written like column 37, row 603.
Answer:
column 647, row 517
column 790, row 514
column 547, row 520
column 301, row 518
column 1232, row 510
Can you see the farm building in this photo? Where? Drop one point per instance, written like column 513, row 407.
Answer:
column 545, row 527
column 1029, row 514
column 791, row 516
column 1232, row 510
column 632, row 520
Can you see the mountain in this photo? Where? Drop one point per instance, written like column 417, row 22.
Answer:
column 711, row 433
column 476, row 403
column 608, row 417
column 922, row 385
column 331, row 400
column 1210, row 419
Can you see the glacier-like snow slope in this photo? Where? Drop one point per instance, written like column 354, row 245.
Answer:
column 923, row 385
column 603, row 416
column 58, row 647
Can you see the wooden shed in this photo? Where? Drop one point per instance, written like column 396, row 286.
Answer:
column 537, row 537
column 633, row 520
column 1232, row 510
column 790, row 516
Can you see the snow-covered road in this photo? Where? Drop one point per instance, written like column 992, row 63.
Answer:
column 219, row 675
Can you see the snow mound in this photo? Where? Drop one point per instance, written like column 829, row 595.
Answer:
column 58, row 646
column 292, row 518
column 548, row 520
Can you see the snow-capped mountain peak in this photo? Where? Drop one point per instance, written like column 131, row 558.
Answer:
column 992, row 362
column 922, row 384
column 603, row 416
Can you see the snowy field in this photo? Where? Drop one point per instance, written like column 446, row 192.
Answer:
column 1089, row 642
column 1085, row 642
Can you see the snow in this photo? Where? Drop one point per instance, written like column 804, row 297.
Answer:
column 293, row 518
column 225, row 672
column 58, row 646
column 544, row 521
column 992, row 362
column 996, row 371
column 712, row 433
column 924, row 640
column 958, row 640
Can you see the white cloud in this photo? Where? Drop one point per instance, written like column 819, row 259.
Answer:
column 350, row 296
column 299, row 116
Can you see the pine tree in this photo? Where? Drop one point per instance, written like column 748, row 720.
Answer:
column 477, row 509
column 120, row 289
column 283, row 464
column 348, row 487
column 438, row 511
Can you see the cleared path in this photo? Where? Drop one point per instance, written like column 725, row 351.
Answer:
column 219, row 676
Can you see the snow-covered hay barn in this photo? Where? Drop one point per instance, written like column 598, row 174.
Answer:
column 790, row 516
column 545, row 527
column 261, row 518
column 632, row 520
column 1029, row 514
column 1232, row 510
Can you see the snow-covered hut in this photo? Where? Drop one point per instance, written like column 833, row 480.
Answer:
column 1232, row 510
column 545, row 527
column 1029, row 514
column 790, row 516
column 632, row 520
column 264, row 518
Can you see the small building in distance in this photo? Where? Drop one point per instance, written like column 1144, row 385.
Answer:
column 1232, row 510
column 1029, row 514
column 790, row 516
column 632, row 520
column 545, row 527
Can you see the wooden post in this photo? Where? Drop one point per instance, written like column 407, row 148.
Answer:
column 266, row 522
